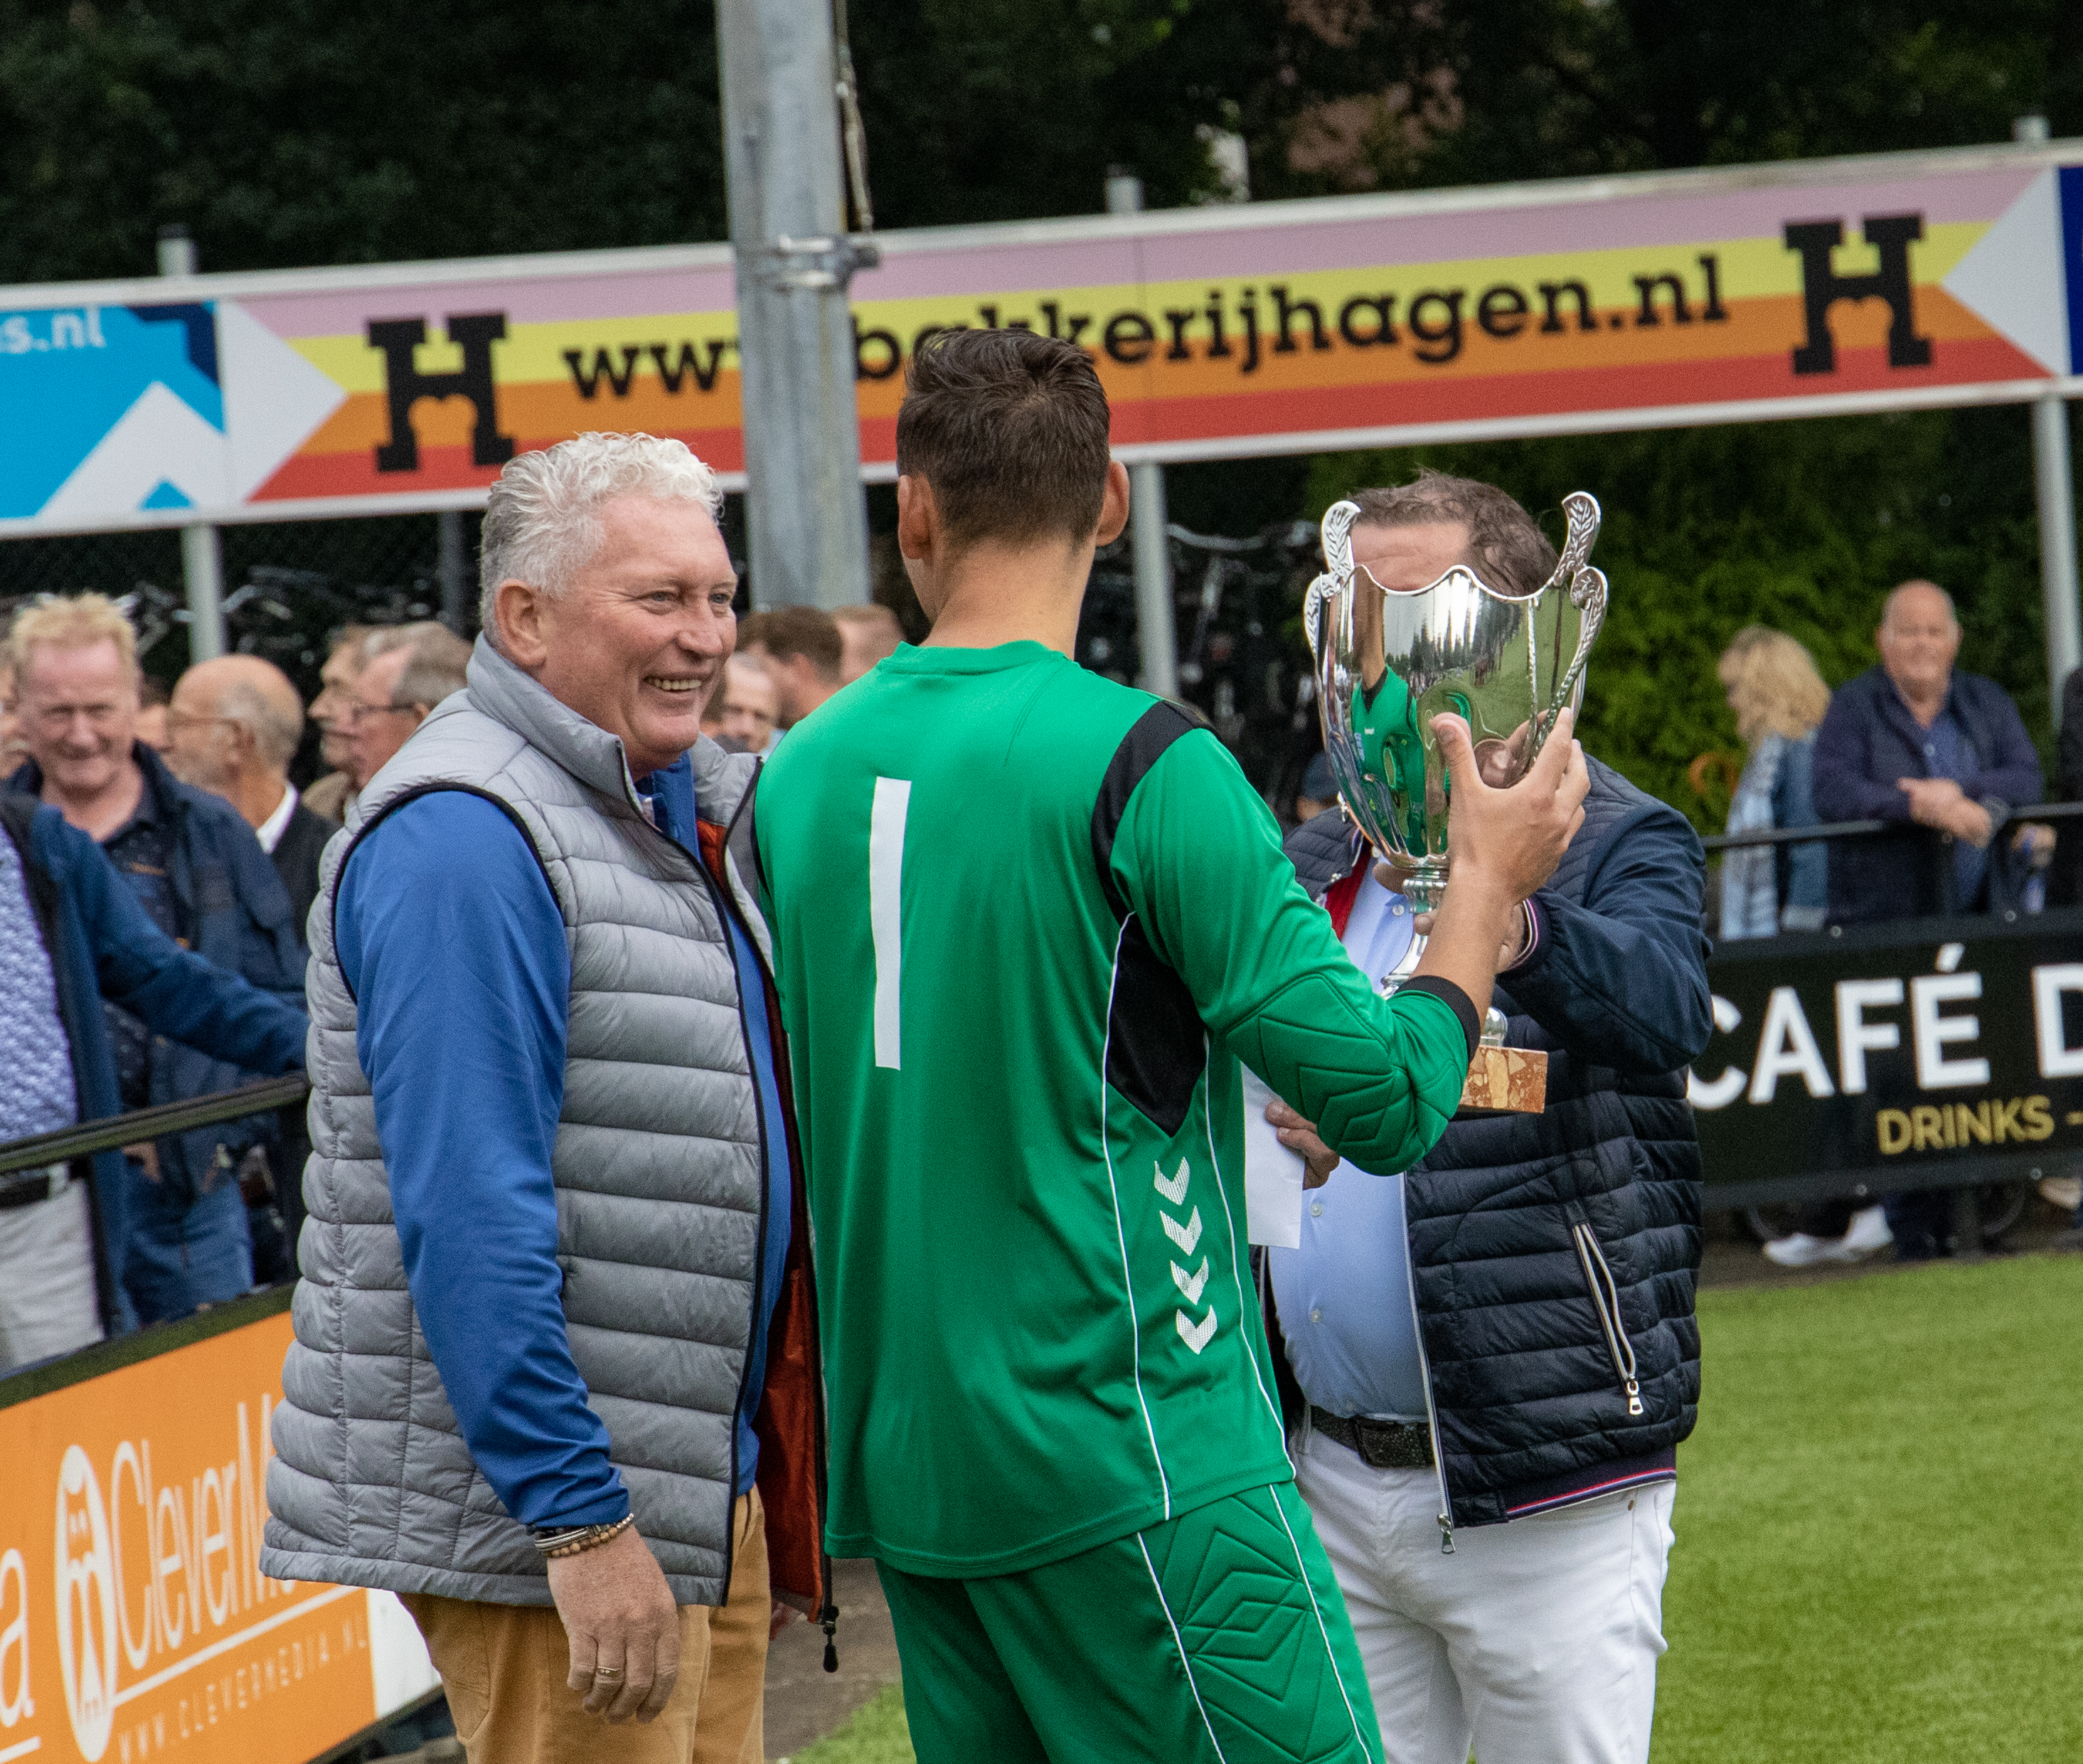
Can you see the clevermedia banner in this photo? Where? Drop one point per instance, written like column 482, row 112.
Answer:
column 135, row 1622
column 1798, row 289
column 1920, row 1054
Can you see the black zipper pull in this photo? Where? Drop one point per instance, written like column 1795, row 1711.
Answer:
column 828, row 1620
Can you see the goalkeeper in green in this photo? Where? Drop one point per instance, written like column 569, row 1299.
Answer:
column 1026, row 923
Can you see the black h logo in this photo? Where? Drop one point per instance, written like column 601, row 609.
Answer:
column 1822, row 288
column 475, row 332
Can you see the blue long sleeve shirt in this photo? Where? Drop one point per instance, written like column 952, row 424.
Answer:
column 671, row 795
column 448, row 933
column 1344, row 1291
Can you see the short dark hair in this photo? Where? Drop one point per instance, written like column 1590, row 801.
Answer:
column 1010, row 429
column 1506, row 545
column 787, row 631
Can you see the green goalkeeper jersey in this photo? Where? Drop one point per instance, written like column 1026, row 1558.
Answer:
column 1026, row 922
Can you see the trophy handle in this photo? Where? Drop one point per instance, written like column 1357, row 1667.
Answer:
column 1336, row 530
column 1580, row 508
column 1587, row 591
column 1312, row 608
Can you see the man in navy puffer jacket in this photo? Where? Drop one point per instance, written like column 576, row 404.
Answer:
column 1506, row 1332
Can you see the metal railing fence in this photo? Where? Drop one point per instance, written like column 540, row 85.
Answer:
column 111, row 1132
column 1837, row 829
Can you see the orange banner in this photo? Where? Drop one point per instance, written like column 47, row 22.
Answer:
column 134, row 1622
column 1561, row 306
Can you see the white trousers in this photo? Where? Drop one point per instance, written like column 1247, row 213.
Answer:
column 1535, row 1642
column 48, row 1303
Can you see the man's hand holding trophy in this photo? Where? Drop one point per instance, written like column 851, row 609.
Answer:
column 1448, row 708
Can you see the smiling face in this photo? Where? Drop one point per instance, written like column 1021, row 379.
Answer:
column 1919, row 638
column 635, row 643
column 79, row 709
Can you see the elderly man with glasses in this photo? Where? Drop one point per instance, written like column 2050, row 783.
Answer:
column 411, row 668
column 232, row 728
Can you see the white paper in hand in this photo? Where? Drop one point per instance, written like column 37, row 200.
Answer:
column 1271, row 1175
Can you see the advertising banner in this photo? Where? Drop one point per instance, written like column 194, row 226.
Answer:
column 134, row 1622
column 1789, row 290
column 1922, row 1055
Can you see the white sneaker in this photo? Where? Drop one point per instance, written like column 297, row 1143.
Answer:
column 1800, row 1251
column 2065, row 1192
column 1869, row 1233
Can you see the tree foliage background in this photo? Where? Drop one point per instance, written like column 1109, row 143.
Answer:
column 287, row 132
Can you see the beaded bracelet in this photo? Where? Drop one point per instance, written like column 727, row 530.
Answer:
column 584, row 1537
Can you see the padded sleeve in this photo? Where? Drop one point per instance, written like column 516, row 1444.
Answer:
column 452, row 941
column 1198, row 858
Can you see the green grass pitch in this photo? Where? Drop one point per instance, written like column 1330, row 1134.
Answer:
column 1880, row 1529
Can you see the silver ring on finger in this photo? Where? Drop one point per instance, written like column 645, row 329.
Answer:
column 607, row 1675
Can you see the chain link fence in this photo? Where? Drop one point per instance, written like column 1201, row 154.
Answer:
column 288, row 585
column 1244, row 661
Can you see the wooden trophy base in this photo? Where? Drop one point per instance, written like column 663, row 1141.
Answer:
column 1504, row 1080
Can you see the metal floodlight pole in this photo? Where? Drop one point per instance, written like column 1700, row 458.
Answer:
column 2056, row 486
column 202, row 562
column 453, row 569
column 1157, row 637
column 806, row 520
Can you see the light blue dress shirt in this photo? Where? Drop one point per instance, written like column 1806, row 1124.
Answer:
column 1344, row 1295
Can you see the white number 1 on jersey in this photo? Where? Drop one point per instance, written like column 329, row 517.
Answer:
column 886, row 912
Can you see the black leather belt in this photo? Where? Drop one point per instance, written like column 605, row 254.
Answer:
column 1381, row 1445
column 32, row 1187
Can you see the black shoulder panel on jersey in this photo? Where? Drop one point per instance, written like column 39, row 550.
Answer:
column 1156, row 1047
column 1155, row 730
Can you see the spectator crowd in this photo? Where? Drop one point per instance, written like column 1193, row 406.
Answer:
column 1940, row 758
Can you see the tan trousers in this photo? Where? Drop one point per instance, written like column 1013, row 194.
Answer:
column 503, row 1668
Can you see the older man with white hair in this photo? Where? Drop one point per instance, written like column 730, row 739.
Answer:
column 232, row 727
column 555, row 1380
column 411, row 668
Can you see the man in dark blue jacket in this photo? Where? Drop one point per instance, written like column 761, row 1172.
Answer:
column 1487, row 1364
column 201, row 877
column 71, row 936
column 1940, row 754
column 1944, row 757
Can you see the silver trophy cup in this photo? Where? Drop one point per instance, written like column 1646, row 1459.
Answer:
column 1388, row 661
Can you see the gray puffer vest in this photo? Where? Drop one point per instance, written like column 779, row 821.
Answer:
column 657, row 1164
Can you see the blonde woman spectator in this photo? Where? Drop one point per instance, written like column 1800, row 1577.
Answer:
column 1778, row 699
